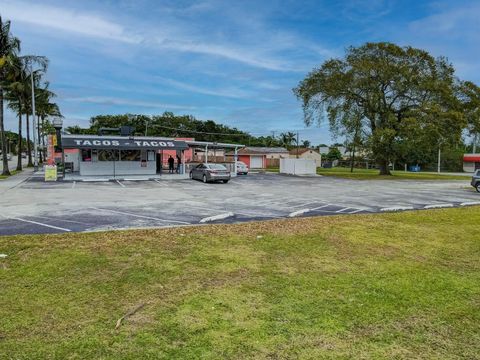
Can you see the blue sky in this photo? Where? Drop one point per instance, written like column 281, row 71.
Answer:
column 234, row 62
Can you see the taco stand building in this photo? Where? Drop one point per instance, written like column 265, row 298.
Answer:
column 113, row 157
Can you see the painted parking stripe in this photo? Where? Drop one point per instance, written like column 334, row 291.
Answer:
column 217, row 217
column 36, row 223
column 73, row 184
column 342, row 210
column 141, row 216
column 321, row 207
column 119, row 183
column 355, row 211
column 159, row 182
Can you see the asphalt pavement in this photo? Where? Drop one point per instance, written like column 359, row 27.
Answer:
column 28, row 205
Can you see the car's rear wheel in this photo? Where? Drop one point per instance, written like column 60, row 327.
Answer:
column 225, row 181
column 204, row 179
column 191, row 175
column 477, row 187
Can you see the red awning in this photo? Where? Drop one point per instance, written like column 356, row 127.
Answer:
column 471, row 158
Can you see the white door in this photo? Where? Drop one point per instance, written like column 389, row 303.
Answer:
column 256, row 162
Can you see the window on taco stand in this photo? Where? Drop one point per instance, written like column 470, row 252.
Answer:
column 130, row 155
column 106, row 155
column 86, row 155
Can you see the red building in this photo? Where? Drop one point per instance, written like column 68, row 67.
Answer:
column 471, row 162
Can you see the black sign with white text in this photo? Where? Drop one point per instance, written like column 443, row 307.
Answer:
column 99, row 142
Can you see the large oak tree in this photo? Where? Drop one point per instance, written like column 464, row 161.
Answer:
column 397, row 92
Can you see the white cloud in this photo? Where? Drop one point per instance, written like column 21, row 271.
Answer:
column 228, row 92
column 259, row 51
column 81, row 23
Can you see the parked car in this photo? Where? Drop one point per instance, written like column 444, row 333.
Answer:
column 210, row 173
column 242, row 168
column 476, row 180
column 24, row 155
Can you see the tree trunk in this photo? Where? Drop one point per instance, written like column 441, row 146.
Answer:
column 38, row 140
column 29, row 146
column 20, row 145
column 43, row 137
column 5, row 170
column 384, row 169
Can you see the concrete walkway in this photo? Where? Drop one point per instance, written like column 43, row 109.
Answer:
column 15, row 180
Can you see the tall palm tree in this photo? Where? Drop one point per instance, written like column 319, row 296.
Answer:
column 21, row 95
column 9, row 47
column 17, row 92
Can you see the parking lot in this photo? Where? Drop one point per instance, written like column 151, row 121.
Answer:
column 34, row 206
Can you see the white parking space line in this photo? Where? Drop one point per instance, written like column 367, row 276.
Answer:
column 342, row 210
column 142, row 216
column 355, row 211
column 36, row 223
column 119, row 183
column 159, row 182
column 73, row 184
column 217, row 217
column 61, row 219
column 321, row 207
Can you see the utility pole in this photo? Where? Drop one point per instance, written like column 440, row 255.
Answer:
column 34, row 122
column 297, row 144
column 439, row 158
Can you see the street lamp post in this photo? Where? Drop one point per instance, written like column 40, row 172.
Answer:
column 34, row 122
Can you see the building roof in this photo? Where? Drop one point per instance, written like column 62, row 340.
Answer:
column 471, row 157
column 301, row 151
column 254, row 150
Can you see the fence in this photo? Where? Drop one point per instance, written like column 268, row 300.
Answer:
column 298, row 166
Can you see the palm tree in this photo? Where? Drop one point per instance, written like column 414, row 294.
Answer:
column 17, row 92
column 288, row 138
column 9, row 47
column 20, row 94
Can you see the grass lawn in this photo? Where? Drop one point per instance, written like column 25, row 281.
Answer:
column 12, row 172
column 403, row 285
column 372, row 174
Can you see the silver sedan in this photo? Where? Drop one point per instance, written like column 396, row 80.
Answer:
column 210, row 173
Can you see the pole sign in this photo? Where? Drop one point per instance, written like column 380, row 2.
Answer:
column 51, row 140
column 125, row 143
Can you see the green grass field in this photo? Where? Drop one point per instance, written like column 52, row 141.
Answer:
column 403, row 286
column 372, row 174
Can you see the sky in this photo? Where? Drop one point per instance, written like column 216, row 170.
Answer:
column 234, row 62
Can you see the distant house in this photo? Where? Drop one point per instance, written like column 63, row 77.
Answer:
column 325, row 150
column 305, row 153
column 261, row 157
